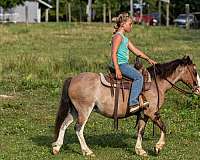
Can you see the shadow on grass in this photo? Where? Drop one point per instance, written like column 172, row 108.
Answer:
column 42, row 140
column 111, row 140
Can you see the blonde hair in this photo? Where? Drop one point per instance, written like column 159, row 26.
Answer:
column 123, row 17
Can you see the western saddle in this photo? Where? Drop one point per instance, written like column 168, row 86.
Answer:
column 115, row 85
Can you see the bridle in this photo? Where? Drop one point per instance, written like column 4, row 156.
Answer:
column 186, row 92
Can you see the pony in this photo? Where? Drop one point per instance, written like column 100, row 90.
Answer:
column 84, row 93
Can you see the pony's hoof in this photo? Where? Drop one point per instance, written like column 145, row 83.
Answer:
column 157, row 150
column 55, row 151
column 145, row 155
column 92, row 155
column 141, row 152
column 88, row 154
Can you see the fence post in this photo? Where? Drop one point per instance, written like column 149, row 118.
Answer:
column 167, row 14
column 89, row 11
column 26, row 14
column 159, row 10
column 104, row 13
column 109, row 13
column 187, row 10
column 131, row 7
column 80, row 8
column 1, row 70
column 57, row 10
column 69, row 11
column 141, row 10
column 46, row 15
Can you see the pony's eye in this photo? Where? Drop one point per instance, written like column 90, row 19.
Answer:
column 195, row 72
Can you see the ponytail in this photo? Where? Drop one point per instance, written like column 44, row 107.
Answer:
column 120, row 20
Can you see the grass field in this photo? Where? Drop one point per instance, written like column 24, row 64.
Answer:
column 34, row 61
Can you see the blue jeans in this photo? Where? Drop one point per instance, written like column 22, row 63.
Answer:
column 136, row 88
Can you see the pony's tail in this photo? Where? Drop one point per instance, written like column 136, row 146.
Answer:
column 64, row 107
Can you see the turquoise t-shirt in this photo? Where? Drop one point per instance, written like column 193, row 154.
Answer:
column 123, row 51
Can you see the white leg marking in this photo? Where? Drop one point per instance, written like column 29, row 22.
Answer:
column 85, row 149
column 139, row 142
column 160, row 144
column 79, row 132
column 198, row 80
column 138, row 147
column 59, row 142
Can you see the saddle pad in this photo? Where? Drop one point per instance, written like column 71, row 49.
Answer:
column 109, row 81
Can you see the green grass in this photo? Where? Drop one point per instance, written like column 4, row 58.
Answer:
column 35, row 60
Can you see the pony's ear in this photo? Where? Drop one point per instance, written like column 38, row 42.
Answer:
column 186, row 57
column 187, row 60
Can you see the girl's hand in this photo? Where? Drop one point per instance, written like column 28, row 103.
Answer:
column 152, row 61
column 118, row 74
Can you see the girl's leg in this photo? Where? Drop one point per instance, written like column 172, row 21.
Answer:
column 132, row 73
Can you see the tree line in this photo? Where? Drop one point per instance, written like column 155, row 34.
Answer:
column 77, row 10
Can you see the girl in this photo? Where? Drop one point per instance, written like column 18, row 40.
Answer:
column 120, row 56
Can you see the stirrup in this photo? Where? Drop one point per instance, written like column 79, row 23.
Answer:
column 137, row 107
column 145, row 105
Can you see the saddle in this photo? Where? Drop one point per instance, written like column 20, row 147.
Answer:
column 109, row 80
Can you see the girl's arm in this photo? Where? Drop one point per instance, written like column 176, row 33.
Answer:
column 139, row 53
column 115, row 45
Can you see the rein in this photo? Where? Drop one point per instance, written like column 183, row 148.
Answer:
column 158, row 102
column 185, row 92
column 179, row 89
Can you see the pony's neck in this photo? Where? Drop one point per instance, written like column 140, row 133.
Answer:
column 173, row 78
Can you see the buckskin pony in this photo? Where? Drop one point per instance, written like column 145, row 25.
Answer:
column 84, row 93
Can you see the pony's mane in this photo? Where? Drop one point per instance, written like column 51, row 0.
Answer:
column 164, row 70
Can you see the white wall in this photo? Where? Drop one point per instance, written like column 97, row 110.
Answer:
column 32, row 12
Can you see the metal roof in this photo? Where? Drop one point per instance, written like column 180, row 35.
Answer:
column 44, row 3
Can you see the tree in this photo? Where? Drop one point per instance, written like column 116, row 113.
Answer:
column 113, row 7
column 6, row 4
column 179, row 6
